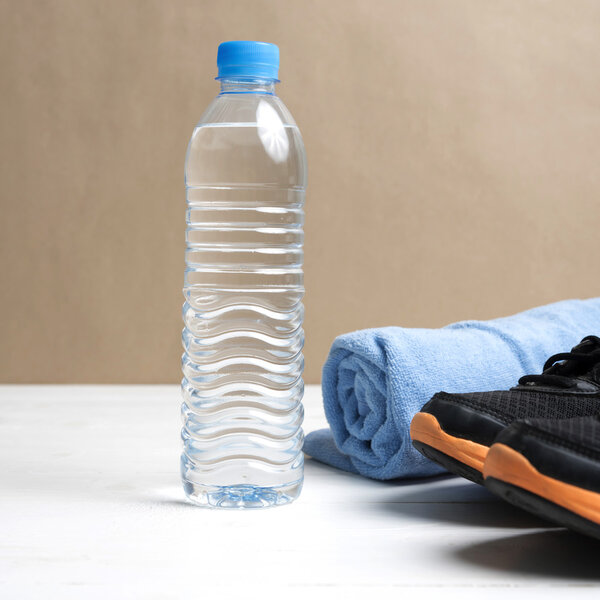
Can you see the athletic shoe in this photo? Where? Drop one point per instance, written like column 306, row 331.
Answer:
column 550, row 468
column 456, row 430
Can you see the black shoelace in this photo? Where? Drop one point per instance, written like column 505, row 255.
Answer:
column 560, row 369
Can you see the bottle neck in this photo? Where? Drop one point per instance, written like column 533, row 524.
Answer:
column 237, row 85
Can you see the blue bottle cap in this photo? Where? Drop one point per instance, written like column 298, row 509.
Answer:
column 248, row 59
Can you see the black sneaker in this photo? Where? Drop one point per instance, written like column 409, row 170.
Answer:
column 456, row 430
column 550, row 468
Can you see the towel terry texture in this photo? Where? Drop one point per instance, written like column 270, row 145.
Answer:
column 375, row 380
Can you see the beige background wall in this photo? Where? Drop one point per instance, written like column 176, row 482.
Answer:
column 454, row 166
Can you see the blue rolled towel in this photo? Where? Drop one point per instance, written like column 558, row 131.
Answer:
column 375, row 380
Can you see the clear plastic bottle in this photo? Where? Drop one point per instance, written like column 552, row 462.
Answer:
column 242, row 385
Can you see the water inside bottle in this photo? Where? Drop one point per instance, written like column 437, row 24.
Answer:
column 243, row 313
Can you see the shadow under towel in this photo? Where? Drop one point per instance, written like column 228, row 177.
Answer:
column 375, row 380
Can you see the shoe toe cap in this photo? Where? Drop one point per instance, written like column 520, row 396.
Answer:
column 465, row 416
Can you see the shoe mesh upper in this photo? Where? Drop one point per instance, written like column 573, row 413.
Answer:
column 517, row 404
column 584, row 432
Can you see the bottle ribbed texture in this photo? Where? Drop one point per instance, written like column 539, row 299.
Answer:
column 242, row 362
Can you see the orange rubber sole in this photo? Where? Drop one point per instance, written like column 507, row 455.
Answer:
column 425, row 428
column 508, row 465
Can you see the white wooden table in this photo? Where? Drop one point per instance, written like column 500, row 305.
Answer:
column 91, row 507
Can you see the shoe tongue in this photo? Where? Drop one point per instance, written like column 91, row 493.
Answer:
column 587, row 345
column 594, row 373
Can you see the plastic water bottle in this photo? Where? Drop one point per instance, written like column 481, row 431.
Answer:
column 242, row 386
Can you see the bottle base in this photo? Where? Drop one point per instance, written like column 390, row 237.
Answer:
column 241, row 496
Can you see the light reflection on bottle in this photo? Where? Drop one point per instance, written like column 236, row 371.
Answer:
column 272, row 132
